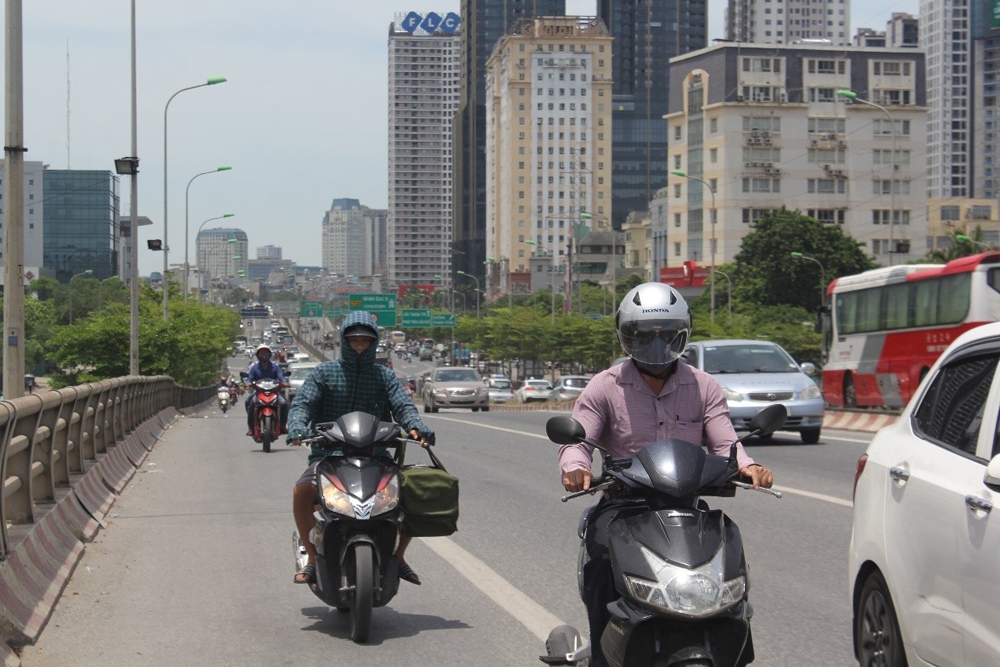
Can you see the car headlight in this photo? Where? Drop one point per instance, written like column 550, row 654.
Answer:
column 335, row 499
column 387, row 497
column 810, row 392
column 732, row 395
column 693, row 593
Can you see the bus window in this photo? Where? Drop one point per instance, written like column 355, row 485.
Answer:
column 397, row 337
column 955, row 306
column 897, row 305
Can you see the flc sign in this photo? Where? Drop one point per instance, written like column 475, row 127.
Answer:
column 430, row 23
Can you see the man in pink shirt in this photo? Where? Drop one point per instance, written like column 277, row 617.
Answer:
column 649, row 397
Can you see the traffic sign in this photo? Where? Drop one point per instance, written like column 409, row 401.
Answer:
column 442, row 320
column 416, row 317
column 310, row 309
column 382, row 306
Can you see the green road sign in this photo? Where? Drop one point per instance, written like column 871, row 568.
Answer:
column 416, row 317
column 310, row 309
column 382, row 306
column 442, row 320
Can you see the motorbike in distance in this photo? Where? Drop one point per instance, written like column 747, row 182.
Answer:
column 358, row 517
column 222, row 394
column 679, row 567
column 267, row 411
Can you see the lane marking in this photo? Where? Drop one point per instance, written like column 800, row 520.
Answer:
column 833, row 500
column 538, row 620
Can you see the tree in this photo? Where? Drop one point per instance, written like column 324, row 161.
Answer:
column 767, row 274
column 960, row 247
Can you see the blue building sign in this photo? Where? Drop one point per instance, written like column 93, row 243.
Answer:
column 415, row 24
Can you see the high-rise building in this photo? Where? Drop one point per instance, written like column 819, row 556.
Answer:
column 985, row 119
column 647, row 34
column 789, row 21
column 269, row 252
column 548, row 144
column 347, row 239
column 222, row 256
column 902, row 30
column 81, row 223
column 484, row 22
column 762, row 128
column 34, row 208
column 424, row 88
column 946, row 39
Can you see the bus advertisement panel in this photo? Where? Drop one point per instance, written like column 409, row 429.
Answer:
column 890, row 324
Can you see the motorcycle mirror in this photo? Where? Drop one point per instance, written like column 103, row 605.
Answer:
column 564, row 430
column 769, row 420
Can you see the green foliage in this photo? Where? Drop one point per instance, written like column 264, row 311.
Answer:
column 766, row 273
column 960, row 247
column 189, row 347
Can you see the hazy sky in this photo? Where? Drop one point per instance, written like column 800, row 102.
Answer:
column 302, row 118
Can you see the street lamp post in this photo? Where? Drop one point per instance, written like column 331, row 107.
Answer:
column 729, row 293
column 711, row 189
column 468, row 275
column 166, row 246
column 70, row 288
column 853, row 96
column 822, row 274
column 187, row 192
column 968, row 239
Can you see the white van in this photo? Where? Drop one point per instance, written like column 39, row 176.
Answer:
column 397, row 337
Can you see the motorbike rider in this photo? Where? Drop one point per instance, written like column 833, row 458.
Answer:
column 264, row 368
column 333, row 389
column 649, row 397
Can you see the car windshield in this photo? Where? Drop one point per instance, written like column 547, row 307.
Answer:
column 500, row 384
column 748, row 359
column 457, row 375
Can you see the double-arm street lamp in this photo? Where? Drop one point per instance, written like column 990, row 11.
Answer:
column 166, row 246
column 853, row 96
column 552, row 273
column 70, row 288
column 187, row 192
column 711, row 217
column 469, row 275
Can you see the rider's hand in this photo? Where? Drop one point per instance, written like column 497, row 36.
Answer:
column 759, row 475
column 295, row 437
column 577, row 480
column 417, row 435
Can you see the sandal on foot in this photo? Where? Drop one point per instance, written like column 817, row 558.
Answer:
column 308, row 573
column 406, row 573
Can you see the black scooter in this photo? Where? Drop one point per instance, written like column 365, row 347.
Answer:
column 358, row 518
column 678, row 565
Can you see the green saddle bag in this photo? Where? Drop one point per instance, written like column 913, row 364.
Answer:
column 430, row 499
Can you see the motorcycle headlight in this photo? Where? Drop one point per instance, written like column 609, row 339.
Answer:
column 732, row 395
column 810, row 392
column 334, row 499
column 387, row 497
column 693, row 593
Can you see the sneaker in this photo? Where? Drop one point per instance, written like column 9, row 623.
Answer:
column 250, row 432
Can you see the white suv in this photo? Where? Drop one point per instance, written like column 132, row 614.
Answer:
column 924, row 581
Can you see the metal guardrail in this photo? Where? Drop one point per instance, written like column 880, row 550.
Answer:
column 49, row 439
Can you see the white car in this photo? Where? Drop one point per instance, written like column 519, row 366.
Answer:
column 297, row 374
column 924, row 583
column 533, row 390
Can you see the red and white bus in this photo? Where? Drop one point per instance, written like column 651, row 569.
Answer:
column 889, row 325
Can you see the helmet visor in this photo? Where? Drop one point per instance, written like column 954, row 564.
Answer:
column 654, row 342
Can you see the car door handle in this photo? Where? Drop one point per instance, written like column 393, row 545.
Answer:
column 978, row 504
column 899, row 473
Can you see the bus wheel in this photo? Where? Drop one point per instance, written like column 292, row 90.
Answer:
column 850, row 393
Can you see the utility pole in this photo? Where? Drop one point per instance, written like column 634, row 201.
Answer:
column 13, row 245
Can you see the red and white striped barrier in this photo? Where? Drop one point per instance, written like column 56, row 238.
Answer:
column 858, row 421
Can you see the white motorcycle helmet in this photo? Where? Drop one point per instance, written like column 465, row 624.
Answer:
column 653, row 324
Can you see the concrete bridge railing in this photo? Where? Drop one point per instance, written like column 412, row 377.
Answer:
column 64, row 457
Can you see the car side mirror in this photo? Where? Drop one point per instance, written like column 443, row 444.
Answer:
column 808, row 368
column 992, row 477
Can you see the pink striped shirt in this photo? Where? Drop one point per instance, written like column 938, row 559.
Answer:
column 620, row 411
